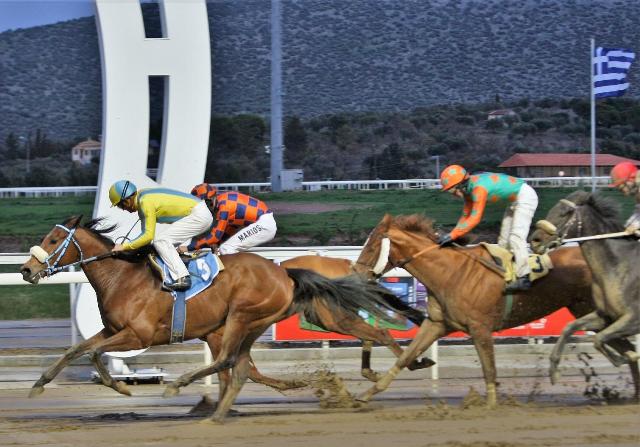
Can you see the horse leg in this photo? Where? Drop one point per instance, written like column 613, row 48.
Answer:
column 71, row 354
column 624, row 326
column 232, row 338
column 483, row 342
column 106, row 378
column 623, row 345
column 238, row 379
column 367, row 333
column 365, row 367
column 592, row 320
column 428, row 333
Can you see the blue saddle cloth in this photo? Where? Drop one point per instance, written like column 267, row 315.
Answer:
column 202, row 270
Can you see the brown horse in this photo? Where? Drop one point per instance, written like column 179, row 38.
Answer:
column 468, row 294
column 330, row 319
column 247, row 297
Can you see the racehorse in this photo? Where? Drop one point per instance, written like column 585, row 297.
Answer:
column 613, row 264
column 329, row 319
column 468, row 291
column 247, row 297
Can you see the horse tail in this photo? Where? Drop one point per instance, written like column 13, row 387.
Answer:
column 349, row 294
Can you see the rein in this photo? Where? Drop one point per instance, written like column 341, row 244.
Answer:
column 384, row 257
column 552, row 230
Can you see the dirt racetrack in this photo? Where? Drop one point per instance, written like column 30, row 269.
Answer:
column 415, row 411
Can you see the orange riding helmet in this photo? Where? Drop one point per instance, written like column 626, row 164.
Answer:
column 453, row 175
column 623, row 172
column 204, row 191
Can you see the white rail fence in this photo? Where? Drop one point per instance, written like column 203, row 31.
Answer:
column 365, row 185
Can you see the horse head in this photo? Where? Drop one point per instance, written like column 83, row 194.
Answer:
column 393, row 243
column 374, row 257
column 580, row 214
column 63, row 246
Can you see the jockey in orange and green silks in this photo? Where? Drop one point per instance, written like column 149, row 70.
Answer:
column 479, row 190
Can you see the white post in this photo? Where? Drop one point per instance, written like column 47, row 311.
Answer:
column 593, row 119
column 432, row 353
column 208, row 359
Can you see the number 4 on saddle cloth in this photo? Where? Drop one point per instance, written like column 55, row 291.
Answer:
column 203, row 267
column 540, row 264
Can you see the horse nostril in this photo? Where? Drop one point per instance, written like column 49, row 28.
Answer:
column 26, row 272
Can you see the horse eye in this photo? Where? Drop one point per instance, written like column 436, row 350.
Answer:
column 53, row 241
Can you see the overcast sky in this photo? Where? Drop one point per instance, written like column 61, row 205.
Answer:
column 27, row 13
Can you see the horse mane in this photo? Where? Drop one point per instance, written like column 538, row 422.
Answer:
column 418, row 223
column 605, row 207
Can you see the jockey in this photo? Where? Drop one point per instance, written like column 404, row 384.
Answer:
column 626, row 177
column 243, row 221
column 188, row 216
column 479, row 189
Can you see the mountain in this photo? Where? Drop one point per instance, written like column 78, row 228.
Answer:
column 338, row 56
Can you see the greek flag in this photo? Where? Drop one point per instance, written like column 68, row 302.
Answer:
column 610, row 67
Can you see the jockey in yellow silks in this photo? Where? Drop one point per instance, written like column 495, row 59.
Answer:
column 484, row 188
column 626, row 177
column 188, row 216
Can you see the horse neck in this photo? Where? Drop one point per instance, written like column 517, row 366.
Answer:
column 598, row 253
column 103, row 275
column 434, row 268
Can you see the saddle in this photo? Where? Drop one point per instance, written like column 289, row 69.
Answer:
column 540, row 264
column 203, row 267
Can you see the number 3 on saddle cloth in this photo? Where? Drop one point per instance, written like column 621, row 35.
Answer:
column 203, row 267
column 540, row 264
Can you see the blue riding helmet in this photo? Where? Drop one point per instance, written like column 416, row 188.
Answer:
column 121, row 190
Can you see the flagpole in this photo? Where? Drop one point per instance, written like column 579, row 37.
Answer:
column 593, row 119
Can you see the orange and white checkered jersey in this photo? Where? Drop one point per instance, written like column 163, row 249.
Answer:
column 234, row 211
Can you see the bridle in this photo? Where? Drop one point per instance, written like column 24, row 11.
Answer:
column 44, row 258
column 383, row 259
column 560, row 236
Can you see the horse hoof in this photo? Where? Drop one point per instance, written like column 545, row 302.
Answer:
column 632, row 356
column 122, row 388
column 364, row 397
column 36, row 391
column 425, row 362
column 370, row 375
column 554, row 376
column 213, row 420
column 171, row 391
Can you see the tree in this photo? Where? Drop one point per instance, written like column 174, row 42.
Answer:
column 295, row 142
column 12, row 146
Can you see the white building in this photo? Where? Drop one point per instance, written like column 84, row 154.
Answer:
column 86, row 151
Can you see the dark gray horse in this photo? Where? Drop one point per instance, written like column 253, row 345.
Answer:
column 614, row 267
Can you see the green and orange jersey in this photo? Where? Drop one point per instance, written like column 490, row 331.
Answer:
column 482, row 189
column 234, row 211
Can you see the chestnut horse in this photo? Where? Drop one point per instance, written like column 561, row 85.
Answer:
column 468, row 293
column 246, row 298
column 331, row 320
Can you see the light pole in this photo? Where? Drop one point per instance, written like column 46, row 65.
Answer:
column 28, row 151
column 437, row 159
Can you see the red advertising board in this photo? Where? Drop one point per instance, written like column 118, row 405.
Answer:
column 297, row 329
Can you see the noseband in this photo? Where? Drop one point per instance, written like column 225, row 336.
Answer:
column 383, row 258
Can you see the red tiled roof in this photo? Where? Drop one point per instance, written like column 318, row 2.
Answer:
column 521, row 160
column 88, row 144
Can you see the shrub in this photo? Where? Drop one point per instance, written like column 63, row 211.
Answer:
column 542, row 124
column 524, row 128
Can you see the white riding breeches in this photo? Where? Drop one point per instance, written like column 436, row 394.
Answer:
column 179, row 232
column 259, row 232
column 515, row 227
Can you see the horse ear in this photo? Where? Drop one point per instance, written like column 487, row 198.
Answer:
column 386, row 220
column 76, row 221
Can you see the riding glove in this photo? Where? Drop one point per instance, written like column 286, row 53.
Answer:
column 445, row 239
